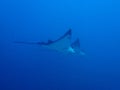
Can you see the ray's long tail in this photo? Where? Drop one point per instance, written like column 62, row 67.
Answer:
column 29, row 43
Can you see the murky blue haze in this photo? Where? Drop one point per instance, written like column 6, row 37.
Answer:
column 30, row 67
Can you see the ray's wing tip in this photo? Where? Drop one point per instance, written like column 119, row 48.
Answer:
column 69, row 32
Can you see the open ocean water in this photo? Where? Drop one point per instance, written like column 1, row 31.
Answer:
column 28, row 67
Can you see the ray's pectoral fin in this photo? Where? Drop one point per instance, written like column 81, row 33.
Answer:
column 61, row 43
column 76, row 46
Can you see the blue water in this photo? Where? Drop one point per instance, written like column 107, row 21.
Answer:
column 29, row 67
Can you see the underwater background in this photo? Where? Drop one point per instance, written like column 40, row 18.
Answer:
column 28, row 67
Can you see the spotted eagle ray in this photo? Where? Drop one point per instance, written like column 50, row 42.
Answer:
column 62, row 44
